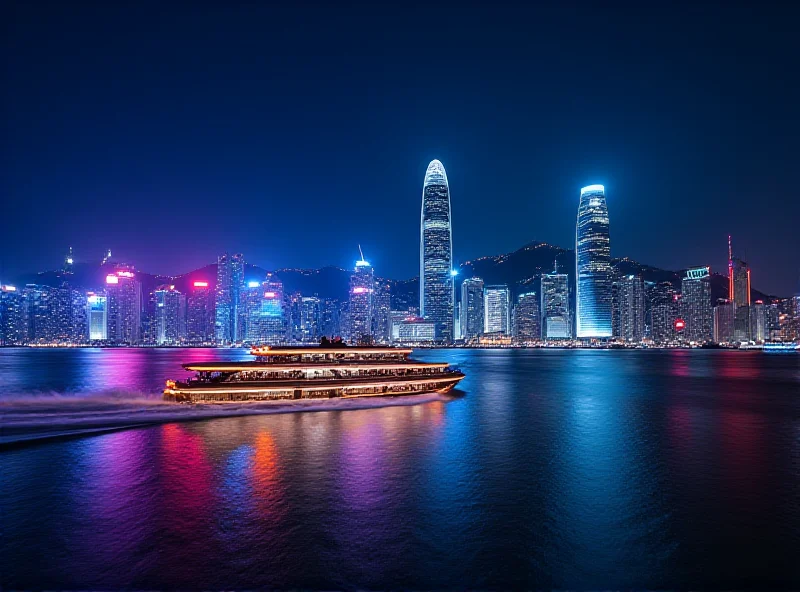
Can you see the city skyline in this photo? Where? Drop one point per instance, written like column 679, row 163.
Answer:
column 689, row 146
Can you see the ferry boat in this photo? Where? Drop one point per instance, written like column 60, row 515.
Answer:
column 317, row 372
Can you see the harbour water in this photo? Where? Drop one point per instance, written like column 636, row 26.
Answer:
column 546, row 469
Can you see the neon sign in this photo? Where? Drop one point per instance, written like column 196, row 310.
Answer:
column 680, row 324
column 269, row 294
column 201, row 284
column 127, row 274
column 361, row 290
column 698, row 273
column 112, row 279
column 253, row 284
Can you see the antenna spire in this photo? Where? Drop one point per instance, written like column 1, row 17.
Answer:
column 730, row 252
column 360, row 251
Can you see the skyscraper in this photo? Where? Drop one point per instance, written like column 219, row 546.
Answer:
column 265, row 310
column 631, row 308
column 381, row 309
column 724, row 315
column 230, row 280
column 11, row 316
column 593, row 265
column 97, row 315
column 436, row 253
column 497, row 310
column 124, row 293
column 663, row 312
column 556, row 323
column 200, row 313
column 758, row 322
column 309, row 319
column 362, row 288
column 527, row 318
column 697, row 311
column 170, row 316
column 739, row 294
column 471, row 308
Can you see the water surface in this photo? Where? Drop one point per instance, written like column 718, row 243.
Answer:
column 550, row 469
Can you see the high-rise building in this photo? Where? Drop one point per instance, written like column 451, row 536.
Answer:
column 170, row 316
column 200, row 316
column 309, row 319
column 436, row 253
column 329, row 318
column 362, row 288
column 97, row 316
column 527, row 320
column 556, row 322
column 739, row 294
column 497, row 310
column 266, row 312
column 12, row 330
column 697, row 312
column 124, row 294
column 664, row 304
column 416, row 330
column 758, row 322
column 471, row 308
column 593, row 265
column 230, row 281
column 381, row 308
column 724, row 316
column 631, row 298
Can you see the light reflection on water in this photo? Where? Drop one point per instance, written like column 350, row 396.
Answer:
column 567, row 469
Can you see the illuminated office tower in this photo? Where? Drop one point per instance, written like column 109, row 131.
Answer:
column 124, row 300
column 169, row 316
column 739, row 294
column 593, row 265
column 663, row 313
column 724, row 317
column 230, row 280
column 362, row 288
column 697, row 312
column 266, row 313
column 497, row 310
column 381, row 308
column 97, row 316
column 556, row 322
column 758, row 322
column 11, row 316
column 630, row 290
column 309, row 319
column 436, row 280
column 471, row 308
column 200, row 313
column 527, row 321
column 329, row 318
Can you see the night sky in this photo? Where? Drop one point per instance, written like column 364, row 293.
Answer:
column 292, row 132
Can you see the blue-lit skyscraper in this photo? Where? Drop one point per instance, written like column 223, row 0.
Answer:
column 436, row 253
column 593, row 265
column 362, row 287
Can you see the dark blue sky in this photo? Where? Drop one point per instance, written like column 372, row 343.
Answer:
column 293, row 132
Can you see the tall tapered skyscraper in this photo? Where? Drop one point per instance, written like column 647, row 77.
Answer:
column 436, row 253
column 593, row 265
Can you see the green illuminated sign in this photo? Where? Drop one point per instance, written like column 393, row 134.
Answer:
column 698, row 273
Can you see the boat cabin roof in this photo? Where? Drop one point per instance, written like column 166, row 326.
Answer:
column 331, row 365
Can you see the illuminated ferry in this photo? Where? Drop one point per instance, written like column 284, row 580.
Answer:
column 323, row 372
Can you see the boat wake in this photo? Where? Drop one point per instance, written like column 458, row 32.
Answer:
column 34, row 417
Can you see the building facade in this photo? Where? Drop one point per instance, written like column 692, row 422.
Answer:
column 527, row 320
column 663, row 313
column 631, row 299
column 170, row 316
column 230, row 281
column 724, row 319
column 436, row 253
column 124, row 300
column 97, row 316
column 471, row 308
column 362, row 290
column 593, row 265
column 200, row 316
column 556, row 321
column 497, row 310
column 697, row 312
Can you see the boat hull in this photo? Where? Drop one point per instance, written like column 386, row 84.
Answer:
column 243, row 392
